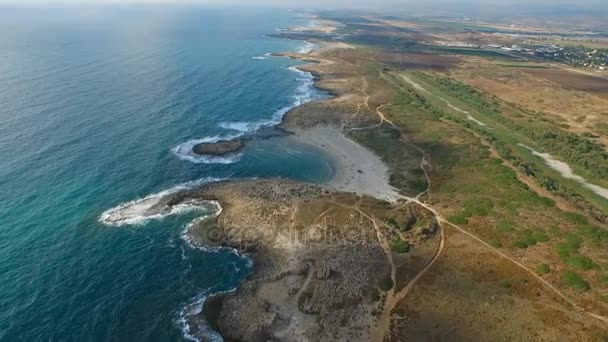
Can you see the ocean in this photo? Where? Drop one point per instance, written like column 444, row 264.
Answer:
column 99, row 107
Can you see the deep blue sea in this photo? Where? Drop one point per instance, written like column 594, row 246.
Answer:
column 98, row 107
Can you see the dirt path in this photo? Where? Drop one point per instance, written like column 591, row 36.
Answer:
column 384, row 319
column 392, row 298
column 363, row 91
column 441, row 219
column 383, row 322
column 304, row 285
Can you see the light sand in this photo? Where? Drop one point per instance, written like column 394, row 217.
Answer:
column 566, row 171
column 357, row 169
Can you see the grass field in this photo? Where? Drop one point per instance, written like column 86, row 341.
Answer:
column 478, row 192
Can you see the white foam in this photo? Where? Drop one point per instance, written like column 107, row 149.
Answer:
column 304, row 94
column 258, row 57
column 217, row 210
column 184, row 151
column 138, row 211
column 307, row 48
column 195, row 307
column 247, row 126
column 566, row 171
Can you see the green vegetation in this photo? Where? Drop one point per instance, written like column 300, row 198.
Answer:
column 477, row 207
column 459, row 219
column 581, row 262
column 575, row 281
column 543, row 269
column 489, row 193
column 579, row 151
column 405, row 172
column 393, row 223
column 386, row 283
column 511, row 126
column 480, row 207
column 406, row 226
column 528, row 238
column 400, row 246
column 505, row 226
column 569, row 246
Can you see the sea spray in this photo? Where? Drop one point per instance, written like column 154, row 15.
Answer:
column 185, row 151
column 139, row 211
column 307, row 48
column 305, row 92
column 195, row 305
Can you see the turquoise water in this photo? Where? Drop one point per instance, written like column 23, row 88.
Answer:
column 96, row 105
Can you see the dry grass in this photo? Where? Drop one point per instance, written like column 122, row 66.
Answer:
column 473, row 295
column 581, row 111
column 574, row 80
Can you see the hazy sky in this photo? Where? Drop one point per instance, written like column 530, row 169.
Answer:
column 333, row 3
column 448, row 6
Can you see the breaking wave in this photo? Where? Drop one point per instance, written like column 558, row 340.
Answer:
column 141, row 210
column 184, row 151
column 305, row 92
column 307, row 48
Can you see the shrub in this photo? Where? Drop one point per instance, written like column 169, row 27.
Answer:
column 581, row 262
column 575, row 281
column 400, row 246
column 479, row 207
column 520, row 244
column 459, row 218
column 391, row 222
column 569, row 246
column 543, row 269
column 505, row 226
column 386, row 283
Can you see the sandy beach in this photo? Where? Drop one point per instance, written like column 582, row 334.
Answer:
column 356, row 169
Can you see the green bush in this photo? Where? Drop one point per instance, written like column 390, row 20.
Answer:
column 521, row 244
column 459, row 218
column 529, row 238
column 479, row 207
column 400, row 246
column 543, row 269
column 569, row 246
column 495, row 243
column 575, row 281
column 391, row 222
column 505, row 226
column 581, row 262
column 386, row 283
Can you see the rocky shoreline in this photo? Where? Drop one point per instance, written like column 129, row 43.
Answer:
column 320, row 270
column 316, row 275
column 220, row 148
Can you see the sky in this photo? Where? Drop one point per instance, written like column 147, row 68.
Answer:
column 457, row 7
column 323, row 3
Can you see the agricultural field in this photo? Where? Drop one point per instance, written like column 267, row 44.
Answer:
column 575, row 80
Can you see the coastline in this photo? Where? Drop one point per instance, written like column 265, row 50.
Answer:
column 357, row 173
column 356, row 169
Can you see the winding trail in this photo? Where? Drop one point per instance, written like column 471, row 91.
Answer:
column 384, row 319
column 393, row 298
